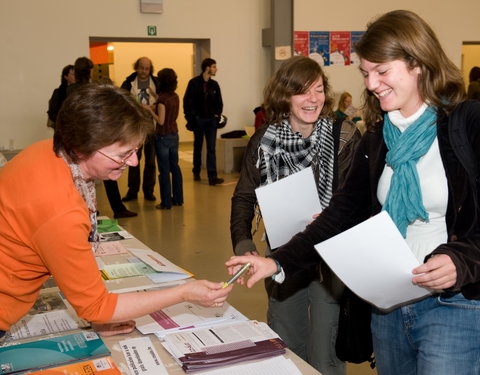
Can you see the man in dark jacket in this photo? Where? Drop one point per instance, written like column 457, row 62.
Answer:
column 143, row 86
column 203, row 105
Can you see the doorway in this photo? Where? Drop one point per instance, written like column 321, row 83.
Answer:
column 182, row 55
column 470, row 58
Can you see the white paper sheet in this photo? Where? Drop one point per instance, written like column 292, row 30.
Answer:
column 374, row 261
column 287, row 206
column 141, row 357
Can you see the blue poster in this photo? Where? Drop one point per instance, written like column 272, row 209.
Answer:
column 319, row 48
column 355, row 37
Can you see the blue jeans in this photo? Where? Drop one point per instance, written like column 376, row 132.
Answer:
column 438, row 335
column 205, row 128
column 166, row 147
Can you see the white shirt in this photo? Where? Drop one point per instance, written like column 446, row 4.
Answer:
column 423, row 237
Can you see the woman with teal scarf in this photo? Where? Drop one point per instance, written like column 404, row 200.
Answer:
column 405, row 164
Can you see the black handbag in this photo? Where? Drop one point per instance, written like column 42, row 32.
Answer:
column 354, row 336
column 222, row 121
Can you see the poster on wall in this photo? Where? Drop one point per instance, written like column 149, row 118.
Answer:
column 340, row 48
column 319, row 48
column 355, row 36
column 300, row 43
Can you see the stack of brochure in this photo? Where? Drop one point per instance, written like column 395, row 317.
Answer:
column 186, row 316
column 52, row 352
column 223, row 345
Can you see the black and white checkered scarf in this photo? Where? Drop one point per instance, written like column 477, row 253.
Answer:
column 283, row 152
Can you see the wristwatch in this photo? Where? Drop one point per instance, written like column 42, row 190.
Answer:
column 279, row 276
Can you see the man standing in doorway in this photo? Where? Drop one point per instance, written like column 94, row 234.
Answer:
column 203, row 105
column 143, row 86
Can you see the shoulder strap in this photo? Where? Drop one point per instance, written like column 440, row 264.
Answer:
column 459, row 140
column 463, row 150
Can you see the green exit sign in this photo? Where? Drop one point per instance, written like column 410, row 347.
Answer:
column 152, row 30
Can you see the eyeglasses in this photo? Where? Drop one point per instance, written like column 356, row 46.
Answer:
column 124, row 159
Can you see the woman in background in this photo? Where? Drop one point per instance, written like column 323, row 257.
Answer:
column 165, row 113
column 474, row 85
column 345, row 107
column 60, row 93
column 405, row 164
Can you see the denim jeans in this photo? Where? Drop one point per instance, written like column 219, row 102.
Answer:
column 205, row 128
column 166, row 147
column 438, row 335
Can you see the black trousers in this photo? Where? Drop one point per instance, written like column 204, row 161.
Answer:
column 149, row 170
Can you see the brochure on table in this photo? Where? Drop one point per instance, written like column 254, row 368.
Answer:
column 53, row 351
column 186, row 316
column 50, row 314
column 223, row 345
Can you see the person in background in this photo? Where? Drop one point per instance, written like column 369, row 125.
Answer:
column 203, row 105
column 301, row 133
column 51, row 230
column 67, row 78
column 167, row 141
column 143, row 86
column 345, row 107
column 473, row 91
column 259, row 116
column 405, row 165
column 83, row 71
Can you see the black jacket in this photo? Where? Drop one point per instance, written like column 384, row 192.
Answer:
column 197, row 105
column 127, row 84
column 357, row 200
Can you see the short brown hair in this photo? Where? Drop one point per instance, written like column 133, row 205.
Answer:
column 95, row 116
column 294, row 77
column 403, row 35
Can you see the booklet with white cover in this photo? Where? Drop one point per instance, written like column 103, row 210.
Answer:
column 185, row 315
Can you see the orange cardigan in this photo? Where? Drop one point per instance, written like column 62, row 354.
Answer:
column 44, row 228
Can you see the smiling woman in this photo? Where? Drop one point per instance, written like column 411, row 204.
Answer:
column 48, row 214
column 300, row 133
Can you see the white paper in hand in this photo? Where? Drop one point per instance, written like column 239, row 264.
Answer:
column 287, row 206
column 374, row 261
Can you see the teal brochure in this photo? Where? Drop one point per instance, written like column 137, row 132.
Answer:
column 48, row 352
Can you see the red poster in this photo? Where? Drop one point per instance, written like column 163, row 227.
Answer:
column 300, row 43
column 340, row 48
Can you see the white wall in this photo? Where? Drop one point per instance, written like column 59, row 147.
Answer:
column 40, row 37
column 452, row 21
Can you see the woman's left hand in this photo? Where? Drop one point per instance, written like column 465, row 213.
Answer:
column 439, row 272
column 111, row 329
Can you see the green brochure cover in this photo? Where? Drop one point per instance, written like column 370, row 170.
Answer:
column 20, row 358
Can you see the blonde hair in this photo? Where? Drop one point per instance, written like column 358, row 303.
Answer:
column 341, row 101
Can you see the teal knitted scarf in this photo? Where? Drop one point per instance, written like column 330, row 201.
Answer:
column 404, row 201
